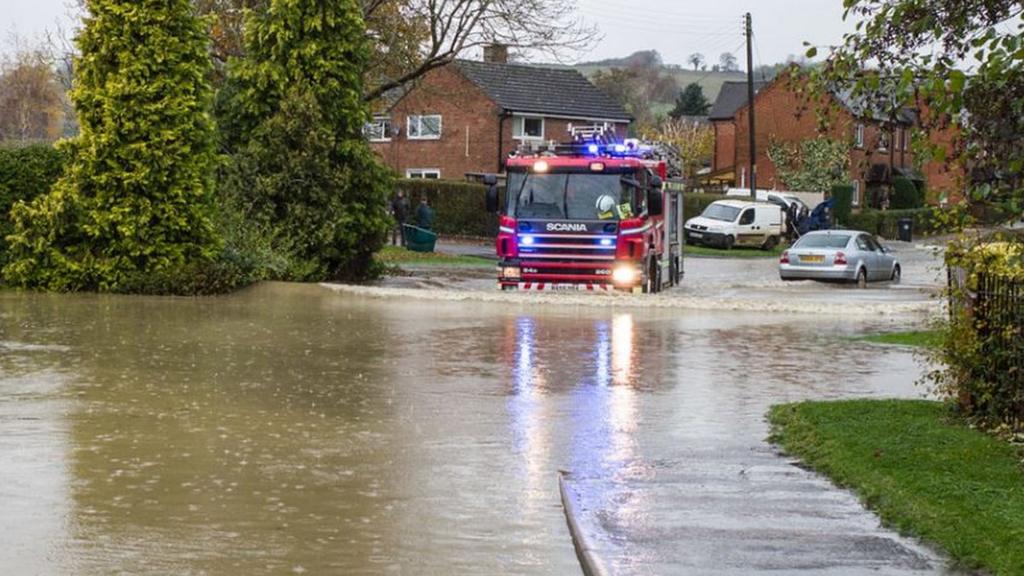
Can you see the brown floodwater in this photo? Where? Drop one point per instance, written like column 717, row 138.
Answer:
column 291, row 429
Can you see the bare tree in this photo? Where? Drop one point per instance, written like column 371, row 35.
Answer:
column 695, row 60
column 728, row 62
column 435, row 32
column 31, row 108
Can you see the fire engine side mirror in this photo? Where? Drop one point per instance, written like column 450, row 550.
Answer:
column 655, row 196
column 655, row 202
column 492, row 193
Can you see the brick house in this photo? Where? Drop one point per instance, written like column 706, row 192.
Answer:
column 464, row 118
column 880, row 147
column 722, row 116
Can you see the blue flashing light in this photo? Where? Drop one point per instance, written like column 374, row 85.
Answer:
column 593, row 149
column 527, row 241
column 620, row 148
column 606, row 242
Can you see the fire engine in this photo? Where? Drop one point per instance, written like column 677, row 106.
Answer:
column 593, row 214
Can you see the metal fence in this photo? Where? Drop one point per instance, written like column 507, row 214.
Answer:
column 995, row 310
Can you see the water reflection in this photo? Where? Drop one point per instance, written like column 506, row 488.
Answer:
column 600, row 377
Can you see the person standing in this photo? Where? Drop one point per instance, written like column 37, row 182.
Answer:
column 400, row 212
column 425, row 214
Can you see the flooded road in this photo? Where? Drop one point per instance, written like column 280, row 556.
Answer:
column 292, row 429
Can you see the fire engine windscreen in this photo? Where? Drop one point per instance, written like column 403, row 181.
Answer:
column 572, row 196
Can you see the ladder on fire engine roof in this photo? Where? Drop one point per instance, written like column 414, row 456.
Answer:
column 603, row 133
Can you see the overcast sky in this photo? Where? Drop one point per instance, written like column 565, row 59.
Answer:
column 676, row 28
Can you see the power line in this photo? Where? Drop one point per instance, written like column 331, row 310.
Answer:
column 660, row 13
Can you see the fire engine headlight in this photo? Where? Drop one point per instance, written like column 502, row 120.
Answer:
column 625, row 275
column 511, row 273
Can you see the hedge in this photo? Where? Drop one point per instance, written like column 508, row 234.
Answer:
column 459, row 207
column 884, row 223
column 25, row 173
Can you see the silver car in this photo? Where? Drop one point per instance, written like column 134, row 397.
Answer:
column 839, row 255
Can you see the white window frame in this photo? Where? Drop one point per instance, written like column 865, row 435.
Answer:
column 423, row 173
column 418, row 120
column 384, row 122
column 906, row 139
column 855, row 199
column 858, row 136
column 519, row 127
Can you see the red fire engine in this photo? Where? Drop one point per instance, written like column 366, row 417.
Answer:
column 590, row 215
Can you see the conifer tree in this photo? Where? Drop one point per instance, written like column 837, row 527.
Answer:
column 293, row 122
column 135, row 199
column 690, row 102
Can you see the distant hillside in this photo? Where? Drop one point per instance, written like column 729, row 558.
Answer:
column 711, row 82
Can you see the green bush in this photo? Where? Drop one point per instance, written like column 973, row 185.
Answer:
column 843, row 197
column 25, row 174
column 905, row 195
column 136, row 195
column 293, row 121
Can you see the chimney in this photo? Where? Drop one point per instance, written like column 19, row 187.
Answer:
column 496, row 53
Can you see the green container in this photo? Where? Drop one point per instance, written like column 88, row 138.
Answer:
column 418, row 239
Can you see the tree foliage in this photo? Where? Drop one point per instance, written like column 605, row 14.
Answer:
column 960, row 61
column 691, row 102
column 814, row 165
column 31, row 99
column 135, row 198
column 696, row 60
column 638, row 88
column 300, row 165
column 695, row 142
column 728, row 62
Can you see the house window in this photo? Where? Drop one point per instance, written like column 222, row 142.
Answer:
column 858, row 138
column 423, row 173
column 528, row 128
column 426, row 127
column 883, row 140
column 856, row 193
column 906, row 139
column 378, row 130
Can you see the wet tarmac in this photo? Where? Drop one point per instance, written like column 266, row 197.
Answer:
column 295, row 429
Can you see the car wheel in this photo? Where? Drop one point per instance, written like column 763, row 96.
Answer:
column 862, row 278
column 897, row 275
column 770, row 243
column 729, row 242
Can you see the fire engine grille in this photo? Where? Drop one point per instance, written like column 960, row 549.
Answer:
column 567, row 257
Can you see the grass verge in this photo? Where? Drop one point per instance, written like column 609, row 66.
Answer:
column 917, row 338
column 395, row 255
column 921, row 470
column 708, row 252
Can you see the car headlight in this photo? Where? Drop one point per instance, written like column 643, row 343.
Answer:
column 625, row 275
column 511, row 272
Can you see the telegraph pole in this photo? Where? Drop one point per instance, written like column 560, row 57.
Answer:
column 750, row 108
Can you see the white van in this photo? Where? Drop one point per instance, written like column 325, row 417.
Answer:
column 728, row 223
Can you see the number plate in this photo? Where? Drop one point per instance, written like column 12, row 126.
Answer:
column 813, row 259
column 696, row 235
column 566, row 287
